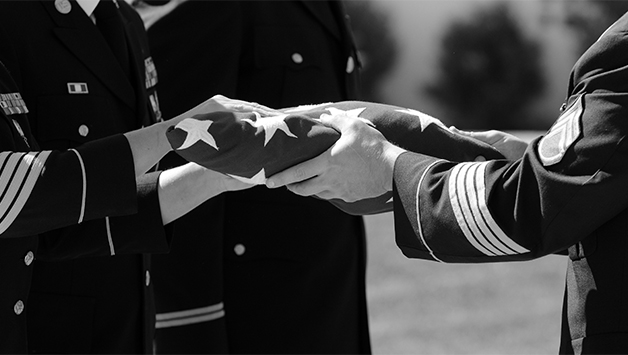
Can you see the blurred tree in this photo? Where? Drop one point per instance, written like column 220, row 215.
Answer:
column 590, row 18
column 488, row 71
column 376, row 46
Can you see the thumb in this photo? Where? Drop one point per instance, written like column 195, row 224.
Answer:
column 488, row 137
column 339, row 122
column 464, row 133
column 342, row 122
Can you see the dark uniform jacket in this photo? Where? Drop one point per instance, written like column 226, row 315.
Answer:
column 293, row 268
column 78, row 92
column 570, row 190
column 43, row 190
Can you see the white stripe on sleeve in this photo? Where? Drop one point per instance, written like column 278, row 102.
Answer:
column 80, row 159
column 190, row 316
column 418, row 210
column 467, row 195
column 19, row 173
column 112, row 249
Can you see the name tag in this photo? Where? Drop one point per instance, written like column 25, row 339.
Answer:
column 77, row 88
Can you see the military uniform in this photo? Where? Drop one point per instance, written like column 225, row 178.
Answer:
column 79, row 91
column 292, row 276
column 49, row 189
column 568, row 191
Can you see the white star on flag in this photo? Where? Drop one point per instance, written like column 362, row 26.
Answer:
column 425, row 119
column 270, row 125
column 355, row 113
column 196, row 131
column 258, row 179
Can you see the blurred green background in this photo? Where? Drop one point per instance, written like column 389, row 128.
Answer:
column 475, row 64
column 423, row 307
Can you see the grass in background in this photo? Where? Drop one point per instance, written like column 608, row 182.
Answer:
column 423, row 307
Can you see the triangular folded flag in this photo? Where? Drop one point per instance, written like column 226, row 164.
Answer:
column 251, row 148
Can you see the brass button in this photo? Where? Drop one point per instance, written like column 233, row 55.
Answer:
column 83, row 130
column 239, row 249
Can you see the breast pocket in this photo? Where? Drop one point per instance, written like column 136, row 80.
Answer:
column 66, row 121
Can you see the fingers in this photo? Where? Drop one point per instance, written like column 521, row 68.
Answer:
column 340, row 122
column 298, row 173
column 306, row 188
column 476, row 135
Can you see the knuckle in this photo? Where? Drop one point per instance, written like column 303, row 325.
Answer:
column 299, row 173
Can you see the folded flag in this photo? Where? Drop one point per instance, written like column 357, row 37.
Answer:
column 251, row 148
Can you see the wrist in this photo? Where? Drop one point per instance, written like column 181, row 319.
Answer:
column 390, row 155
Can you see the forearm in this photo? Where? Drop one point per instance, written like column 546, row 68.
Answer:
column 183, row 188
column 148, row 146
column 390, row 154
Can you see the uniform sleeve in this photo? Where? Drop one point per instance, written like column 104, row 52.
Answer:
column 50, row 189
column 569, row 182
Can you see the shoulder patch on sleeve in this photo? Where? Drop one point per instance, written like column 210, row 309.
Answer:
column 562, row 135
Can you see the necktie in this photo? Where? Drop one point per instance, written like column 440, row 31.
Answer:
column 109, row 22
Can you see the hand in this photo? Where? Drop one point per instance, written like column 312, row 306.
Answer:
column 223, row 103
column 511, row 147
column 358, row 166
column 183, row 188
column 227, row 183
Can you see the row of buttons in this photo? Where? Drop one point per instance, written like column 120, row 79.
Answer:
column 297, row 58
column 18, row 308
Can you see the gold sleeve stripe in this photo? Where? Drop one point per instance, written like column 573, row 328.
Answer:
column 491, row 225
column 80, row 159
column 418, row 210
column 19, row 173
column 190, row 316
column 475, row 191
column 467, row 195
column 112, row 249
column 458, row 199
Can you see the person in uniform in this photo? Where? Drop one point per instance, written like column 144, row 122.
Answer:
column 260, row 291
column 85, row 69
column 567, row 191
column 47, row 189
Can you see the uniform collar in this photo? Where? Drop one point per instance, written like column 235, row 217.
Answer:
column 88, row 5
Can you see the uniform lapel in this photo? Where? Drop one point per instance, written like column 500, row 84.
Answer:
column 322, row 11
column 138, row 67
column 82, row 38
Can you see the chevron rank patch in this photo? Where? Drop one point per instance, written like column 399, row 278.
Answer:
column 562, row 135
